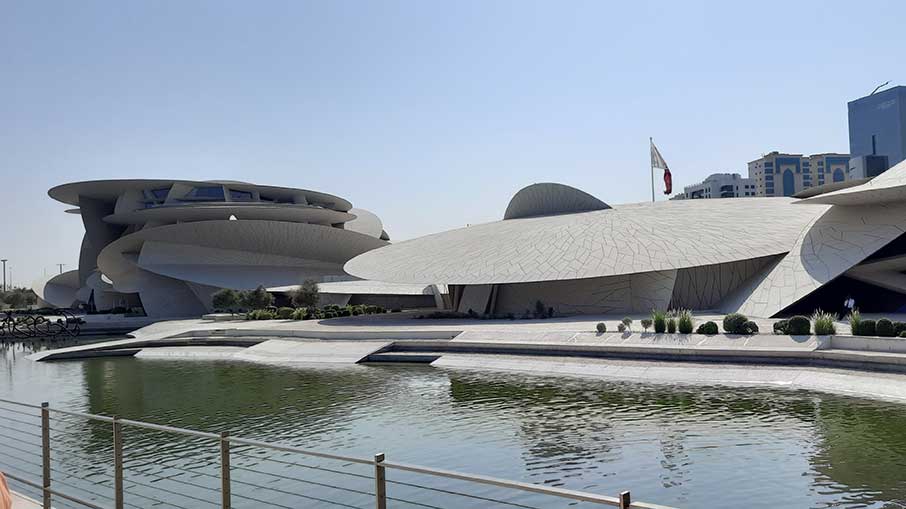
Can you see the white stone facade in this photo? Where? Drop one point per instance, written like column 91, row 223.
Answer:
column 759, row 256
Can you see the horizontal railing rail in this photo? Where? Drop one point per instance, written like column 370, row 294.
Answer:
column 220, row 470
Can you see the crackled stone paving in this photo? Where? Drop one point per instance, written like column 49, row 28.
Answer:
column 755, row 255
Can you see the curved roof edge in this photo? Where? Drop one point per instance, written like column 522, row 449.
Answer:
column 110, row 188
column 548, row 199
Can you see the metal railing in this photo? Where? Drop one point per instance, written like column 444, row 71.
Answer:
column 220, row 470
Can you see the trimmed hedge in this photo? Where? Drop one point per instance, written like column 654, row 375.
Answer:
column 867, row 328
column 884, row 328
column 799, row 326
column 735, row 323
column 709, row 328
column 285, row 313
column 782, row 327
column 601, row 327
column 750, row 328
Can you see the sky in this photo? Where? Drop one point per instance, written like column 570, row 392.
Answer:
column 431, row 114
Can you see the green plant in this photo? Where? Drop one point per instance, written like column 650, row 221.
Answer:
column 646, row 323
column 868, row 328
column 659, row 319
column 884, row 328
column 260, row 314
column 627, row 322
column 684, row 321
column 823, row 323
column 782, row 327
column 256, row 299
column 734, row 323
column 601, row 327
column 285, row 313
column 749, row 328
column 225, row 299
column 799, row 326
column 855, row 322
column 903, row 334
column 621, row 327
column 299, row 314
column 671, row 325
column 899, row 327
column 307, row 295
column 708, row 328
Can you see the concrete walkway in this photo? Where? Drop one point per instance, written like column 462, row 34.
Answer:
column 522, row 344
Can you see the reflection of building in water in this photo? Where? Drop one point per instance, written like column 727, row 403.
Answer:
column 853, row 437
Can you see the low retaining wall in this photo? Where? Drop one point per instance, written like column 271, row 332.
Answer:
column 868, row 344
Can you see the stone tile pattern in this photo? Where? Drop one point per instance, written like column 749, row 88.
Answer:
column 706, row 286
column 548, row 199
column 627, row 239
column 834, row 243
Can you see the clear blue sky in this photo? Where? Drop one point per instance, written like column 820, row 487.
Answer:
column 430, row 114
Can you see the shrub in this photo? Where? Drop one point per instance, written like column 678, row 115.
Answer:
column 903, row 334
column 734, row 323
column 799, row 326
column 855, row 322
column 824, row 323
column 671, row 325
column 225, row 299
column 884, row 328
column 749, row 328
column 659, row 318
column 782, row 327
column 299, row 314
column 708, row 328
column 621, row 327
column 684, row 321
column 646, row 323
column 307, row 295
column 899, row 327
column 260, row 314
column 285, row 313
column 256, row 299
column 867, row 328
column 627, row 322
column 601, row 327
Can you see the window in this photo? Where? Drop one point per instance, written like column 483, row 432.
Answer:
column 160, row 194
column 207, row 193
column 240, row 195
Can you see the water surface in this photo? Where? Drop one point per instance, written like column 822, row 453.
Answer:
column 681, row 446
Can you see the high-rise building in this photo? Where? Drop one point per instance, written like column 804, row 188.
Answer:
column 777, row 174
column 877, row 125
column 720, row 185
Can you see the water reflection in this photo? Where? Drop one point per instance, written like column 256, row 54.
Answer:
column 683, row 446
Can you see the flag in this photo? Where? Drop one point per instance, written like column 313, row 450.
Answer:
column 657, row 161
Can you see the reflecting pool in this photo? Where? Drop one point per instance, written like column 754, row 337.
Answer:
column 675, row 445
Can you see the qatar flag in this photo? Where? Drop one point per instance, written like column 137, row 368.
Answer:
column 657, row 161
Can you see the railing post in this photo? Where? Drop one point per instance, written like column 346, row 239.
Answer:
column 380, row 482
column 117, row 463
column 225, row 470
column 625, row 500
column 45, row 454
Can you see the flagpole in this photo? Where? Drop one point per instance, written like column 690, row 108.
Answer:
column 651, row 144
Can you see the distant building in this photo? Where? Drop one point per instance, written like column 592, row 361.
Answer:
column 720, row 185
column 877, row 125
column 777, row 174
column 861, row 167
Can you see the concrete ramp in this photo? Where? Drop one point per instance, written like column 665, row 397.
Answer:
column 314, row 351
